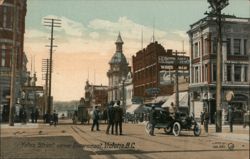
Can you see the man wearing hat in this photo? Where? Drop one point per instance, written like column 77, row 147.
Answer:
column 110, row 117
column 118, row 113
column 153, row 116
column 95, row 119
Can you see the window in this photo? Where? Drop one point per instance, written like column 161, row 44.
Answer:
column 228, row 46
column 196, row 50
column 3, row 56
column 1, row 16
column 206, row 47
column 8, row 18
column 214, row 46
column 236, row 46
column 196, row 75
column 245, row 47
column 229, row 73
column 245, row 73
column 237, row 73
column 205, row 73
column 214, row 72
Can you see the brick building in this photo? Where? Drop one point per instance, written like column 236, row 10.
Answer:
column 153, row 71
column 6, row 47
column 235, row 65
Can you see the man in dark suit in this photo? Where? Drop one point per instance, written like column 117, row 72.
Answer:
column 153, row 116
column 95, row 119
column 118, row 114
column 110, row 118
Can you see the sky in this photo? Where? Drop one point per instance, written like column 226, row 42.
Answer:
column 89, row 28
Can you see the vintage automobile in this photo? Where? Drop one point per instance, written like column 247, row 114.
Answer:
column 174, row 123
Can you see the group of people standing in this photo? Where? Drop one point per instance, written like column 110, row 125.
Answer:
column 34, row 116
column 114, row 118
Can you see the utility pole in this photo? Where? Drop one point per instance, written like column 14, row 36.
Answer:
column 51, row 22
column 176, row 82
column 13, row 68
column 45, row 68
column 176, row 63
column 217, row 6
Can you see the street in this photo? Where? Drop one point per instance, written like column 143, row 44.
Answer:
column 67, row 141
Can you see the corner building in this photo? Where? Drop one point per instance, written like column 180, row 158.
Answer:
column 6, row 47
column 235, row 65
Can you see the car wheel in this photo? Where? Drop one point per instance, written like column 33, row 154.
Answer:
column 168, row 130
column 148, row 127
column 176, row 129
column 197, row 129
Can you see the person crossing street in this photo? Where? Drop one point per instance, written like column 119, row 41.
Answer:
column 95, row 119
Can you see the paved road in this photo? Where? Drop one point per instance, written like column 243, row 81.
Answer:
column 77, row 141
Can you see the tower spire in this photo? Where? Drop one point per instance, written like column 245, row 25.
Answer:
column 119, row 43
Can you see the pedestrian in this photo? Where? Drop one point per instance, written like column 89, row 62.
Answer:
column 32, row 116
column 36, row 115
column 74, row 117
column 206, row 121
column 95, row 119
column 110, row 118
column 152, row 120
column 55, row 118
column 230, row 117
column 202, row 117
column 118, row 114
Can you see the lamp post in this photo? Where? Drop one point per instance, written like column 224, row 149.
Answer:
column 123, row 94
column 217, row 6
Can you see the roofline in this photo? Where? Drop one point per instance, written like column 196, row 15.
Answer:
column 224, row 16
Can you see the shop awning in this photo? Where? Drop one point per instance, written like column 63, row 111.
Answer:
column 183, row 100
column 132, row 108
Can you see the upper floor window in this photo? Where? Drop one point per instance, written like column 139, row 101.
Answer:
column 228, row 46
column 229, row 73
column 3, row 57
column 205, row 72
column 206, row 46
column 196, row 50
column 237, row 73
column 245, row 73
column 245, row 47
column 1, row 16
column 237, row 46
column 214, row 75
column 196, row 74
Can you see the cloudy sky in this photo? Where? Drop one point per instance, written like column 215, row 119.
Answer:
column 90, row 27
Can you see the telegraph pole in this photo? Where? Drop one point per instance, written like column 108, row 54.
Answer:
column 13, row 68
column 45, row 68
column 51, row 22
column 217, row 6
column 177, row 78
column 176, row 82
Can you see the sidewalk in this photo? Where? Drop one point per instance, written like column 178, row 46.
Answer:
column 239, row 133
column 19, row 125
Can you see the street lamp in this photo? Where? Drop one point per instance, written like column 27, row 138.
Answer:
column 123, row 94
column 217, row 6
